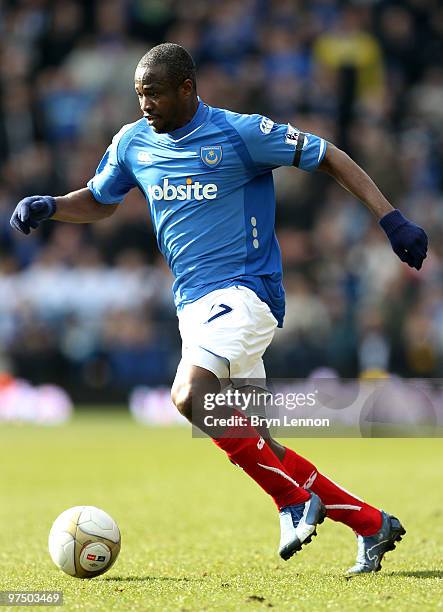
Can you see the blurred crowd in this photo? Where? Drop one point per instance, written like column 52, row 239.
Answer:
column 90, row 306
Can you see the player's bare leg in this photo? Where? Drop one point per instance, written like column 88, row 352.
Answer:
column 300, row 510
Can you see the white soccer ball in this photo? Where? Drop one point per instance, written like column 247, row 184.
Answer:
column 84, row 541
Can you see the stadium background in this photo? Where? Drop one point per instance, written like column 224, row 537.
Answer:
column 89, row 307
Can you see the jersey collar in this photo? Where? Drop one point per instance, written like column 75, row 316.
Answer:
column 197, row 120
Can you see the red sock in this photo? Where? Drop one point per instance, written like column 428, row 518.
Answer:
column 341, row 506
column 257, row 459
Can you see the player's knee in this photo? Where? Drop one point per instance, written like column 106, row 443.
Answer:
column 181, row 395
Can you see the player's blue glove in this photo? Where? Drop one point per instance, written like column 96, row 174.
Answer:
column 30, row 211
column 409, row 241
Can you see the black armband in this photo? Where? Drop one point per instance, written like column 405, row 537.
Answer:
column 298, row 149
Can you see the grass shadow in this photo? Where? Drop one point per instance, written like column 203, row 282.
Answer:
column 150, row 579
column 422, row 574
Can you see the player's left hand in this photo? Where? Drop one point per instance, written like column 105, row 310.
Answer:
column 30, row 211
column 408, row 241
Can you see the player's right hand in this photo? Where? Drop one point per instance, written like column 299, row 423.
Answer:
column 30, row 211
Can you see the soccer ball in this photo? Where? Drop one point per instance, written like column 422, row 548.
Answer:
column 84, row 541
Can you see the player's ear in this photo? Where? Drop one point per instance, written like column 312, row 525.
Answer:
column 187, row 87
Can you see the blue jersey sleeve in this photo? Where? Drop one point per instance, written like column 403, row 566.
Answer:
column 112, row 179
column 275, row 144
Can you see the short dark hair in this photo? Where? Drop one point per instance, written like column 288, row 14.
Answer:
column 178, row 62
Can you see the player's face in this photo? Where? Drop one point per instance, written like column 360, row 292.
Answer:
column 164, row 105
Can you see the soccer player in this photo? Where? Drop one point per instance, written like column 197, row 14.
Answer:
column 206, row 174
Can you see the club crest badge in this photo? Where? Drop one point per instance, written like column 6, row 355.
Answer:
column 211, row 156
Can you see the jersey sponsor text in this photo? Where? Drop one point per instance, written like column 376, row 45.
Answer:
column 190, row 191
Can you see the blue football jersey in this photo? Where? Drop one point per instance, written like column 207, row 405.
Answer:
column 210, row 192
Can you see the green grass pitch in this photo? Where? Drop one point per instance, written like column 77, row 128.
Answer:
column 197, row 534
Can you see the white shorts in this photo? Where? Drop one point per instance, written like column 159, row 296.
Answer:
column 226, row 332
